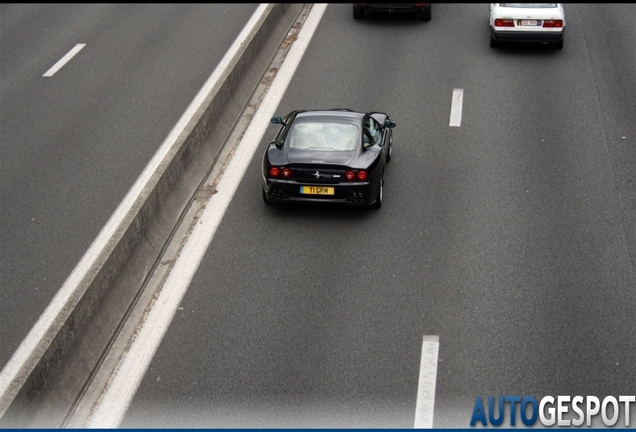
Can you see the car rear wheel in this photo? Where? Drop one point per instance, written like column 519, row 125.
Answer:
column 425, row 15
column 358, row 13
column 559, row 44
column 378, row 199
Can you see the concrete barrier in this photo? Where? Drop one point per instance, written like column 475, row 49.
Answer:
column 45, row 386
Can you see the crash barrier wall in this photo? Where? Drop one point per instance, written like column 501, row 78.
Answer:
column 47, row 385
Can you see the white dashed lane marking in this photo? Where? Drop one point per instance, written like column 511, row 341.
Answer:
column 426, row 385
column 456, row 108
column 57, row 66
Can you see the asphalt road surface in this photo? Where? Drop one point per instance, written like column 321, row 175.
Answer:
column 511, row 237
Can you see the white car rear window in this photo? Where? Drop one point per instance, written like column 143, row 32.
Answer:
column 528, row 5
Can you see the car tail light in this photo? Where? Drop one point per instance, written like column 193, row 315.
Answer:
column 499, row 22
column 274, row 171
column 360, row 175
column 286, row 173
column 553, row 23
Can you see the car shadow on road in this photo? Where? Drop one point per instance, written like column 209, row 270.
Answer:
column 526, row 48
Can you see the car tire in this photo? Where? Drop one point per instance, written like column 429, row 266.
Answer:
column 389, row 152
column 559, row 45
column 378, row 199
column 425, row 15
column 358, row 13
column 493, row 42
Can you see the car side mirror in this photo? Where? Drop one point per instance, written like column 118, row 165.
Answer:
column 389, row 123
column 278, row 120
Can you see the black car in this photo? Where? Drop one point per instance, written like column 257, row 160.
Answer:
column 328, row 156
column 422, row 9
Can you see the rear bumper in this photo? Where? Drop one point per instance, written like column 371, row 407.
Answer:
column 392, row 7
column 353, row 194
column 526, row 36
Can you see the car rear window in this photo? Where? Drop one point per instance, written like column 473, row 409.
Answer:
column 325, row 136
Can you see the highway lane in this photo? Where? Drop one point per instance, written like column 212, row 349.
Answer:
column 507, row 237
column 73, row 144
column 613, row 63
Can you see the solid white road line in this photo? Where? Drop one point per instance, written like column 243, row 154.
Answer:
column 114, row 403
column 456, row 108
column 57, row 66
column 426, row 385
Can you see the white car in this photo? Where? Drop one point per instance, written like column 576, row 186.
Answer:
column 527, row 22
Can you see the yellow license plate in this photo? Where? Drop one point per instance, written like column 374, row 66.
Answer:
column 316, row 190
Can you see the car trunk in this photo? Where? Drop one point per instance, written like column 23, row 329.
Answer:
column 312, row 166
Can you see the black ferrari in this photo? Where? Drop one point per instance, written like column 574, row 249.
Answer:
column 328, row 156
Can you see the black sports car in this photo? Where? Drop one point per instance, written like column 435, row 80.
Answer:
column 328, row 156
